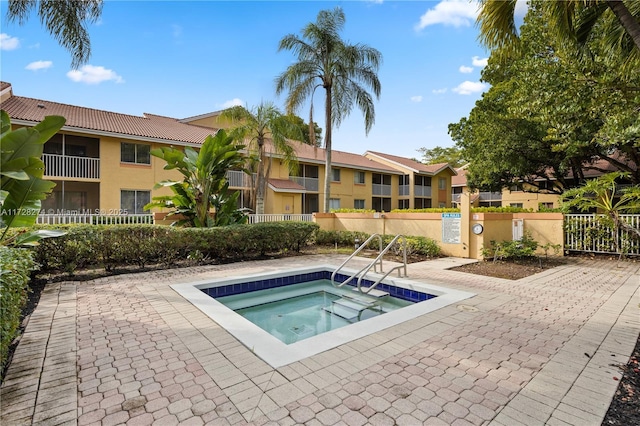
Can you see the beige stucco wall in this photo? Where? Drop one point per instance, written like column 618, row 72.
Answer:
column 116, row 176
column 543, row 227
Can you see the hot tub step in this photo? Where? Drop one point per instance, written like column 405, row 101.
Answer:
column 375, row 292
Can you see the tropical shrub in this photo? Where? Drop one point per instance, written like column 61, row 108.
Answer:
column 15, row 267
column 116, row 246
column 21, row 170
column 205, row 182
column 511, row 249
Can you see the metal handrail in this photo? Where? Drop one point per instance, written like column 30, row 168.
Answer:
column 365, row 244
column 382, row 253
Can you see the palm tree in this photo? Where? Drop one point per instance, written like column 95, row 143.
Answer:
column 259, row 124
column 572, row 20
column 343, row 70
column 66, row 21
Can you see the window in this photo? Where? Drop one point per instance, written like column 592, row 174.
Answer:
column 358, row 177
column 457, row 190
column 442, row 183
column 381, row 179
column 422, row 180
column 135, row 153
column 422, row 203
column 358, row 204
column 403, row 204
column 546, row 205
column 334, row 203
column 520, row 205
column 381, row 204
column 133, row 202
column 335, row 175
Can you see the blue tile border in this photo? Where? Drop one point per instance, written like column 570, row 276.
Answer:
column 231, row 289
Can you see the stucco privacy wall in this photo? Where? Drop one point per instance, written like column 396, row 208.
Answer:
column 543, row 227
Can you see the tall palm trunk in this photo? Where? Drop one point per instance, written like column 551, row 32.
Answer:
column 327, row 145
column 261, row 180
column 628, row 22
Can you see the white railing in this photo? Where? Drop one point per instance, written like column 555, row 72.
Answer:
column 239, row 179
column 588, row 233
column 259, row 218
column 490, row 196
column 422, row 191
column 309, row 183
column 94, row 219
column 70, row 166
column 380, row 189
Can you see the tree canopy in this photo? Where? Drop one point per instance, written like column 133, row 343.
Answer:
column 551, row 114
column 450, row 154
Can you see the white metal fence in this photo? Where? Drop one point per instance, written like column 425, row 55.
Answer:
column 590, row 233
column 94, row 219
column 259, row 218
column 130, row 219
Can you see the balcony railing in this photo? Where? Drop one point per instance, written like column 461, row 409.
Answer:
column 422, row 191
column 239, row 179
column 69, row 166
column 490, row 196
column 403, row 190
column 455, row 198
column 380, row 189
column 309, row 183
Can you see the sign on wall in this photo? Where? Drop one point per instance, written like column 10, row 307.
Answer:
column 451, row 228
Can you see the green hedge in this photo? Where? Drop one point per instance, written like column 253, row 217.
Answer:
column 114, row 246
column 415, row 245
column 15, row 267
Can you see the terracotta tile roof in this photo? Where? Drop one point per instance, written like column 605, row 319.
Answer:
column 461, row 178
column 308, row 153
column 285, row 185
column 418, row 167
column 4, row 85
column 149, row 126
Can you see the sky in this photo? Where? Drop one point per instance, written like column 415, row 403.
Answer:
column 186, row 58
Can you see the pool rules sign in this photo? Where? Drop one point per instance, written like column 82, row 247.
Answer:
column 451, row 228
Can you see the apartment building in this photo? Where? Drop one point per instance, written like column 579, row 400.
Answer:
column 101, row 163
column 523, row 195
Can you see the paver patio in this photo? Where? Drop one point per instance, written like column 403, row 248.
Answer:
column 129, row 350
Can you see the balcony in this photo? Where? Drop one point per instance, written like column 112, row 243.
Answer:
column 422, row 191
column 491, row 196
column 69, row 166
column 309, row 183
column 381, row 189
column 403, row 190
column 239, row 179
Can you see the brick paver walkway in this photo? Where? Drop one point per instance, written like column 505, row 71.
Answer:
column 129, row 350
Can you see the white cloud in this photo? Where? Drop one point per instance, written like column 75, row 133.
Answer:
column 39, row 65
column 8, row 43
column 91, row 74
column 469, row 87
column 465, row 70
column 455, row 13
column 416, row 98
column 479, row 62
column 233, row 102
column 440, row 91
